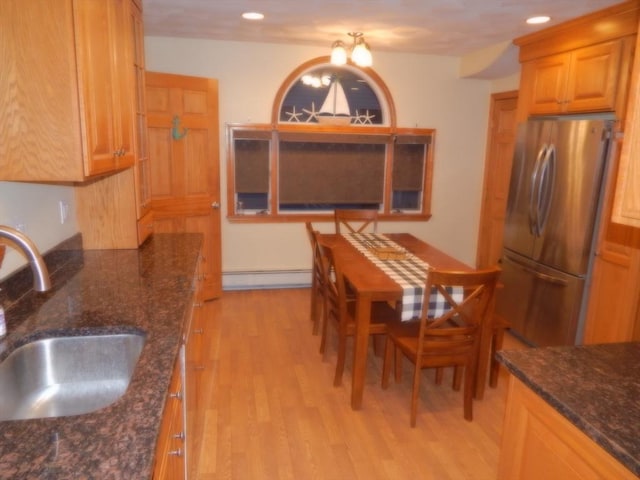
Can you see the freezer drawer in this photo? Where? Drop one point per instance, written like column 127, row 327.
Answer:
column 542, row 304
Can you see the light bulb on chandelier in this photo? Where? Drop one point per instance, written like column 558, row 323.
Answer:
column 360, row 52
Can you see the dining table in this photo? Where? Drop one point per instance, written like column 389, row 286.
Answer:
column 371, row 284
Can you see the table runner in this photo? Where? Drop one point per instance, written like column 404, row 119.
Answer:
column 410, row 273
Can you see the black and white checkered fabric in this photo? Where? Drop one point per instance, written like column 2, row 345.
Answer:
column 410, row 273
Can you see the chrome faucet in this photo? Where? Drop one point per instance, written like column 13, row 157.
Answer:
column 19, row 241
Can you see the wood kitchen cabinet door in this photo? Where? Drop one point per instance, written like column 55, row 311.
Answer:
column 115, row 211
column 106, row 90
column 170, row 449
column 66, row 87
column 538, row 442
column 626, row 206
column 182, row 117
column 614, row 296
column 583, row 80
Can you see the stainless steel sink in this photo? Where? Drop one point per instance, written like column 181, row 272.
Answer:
column 61, row 376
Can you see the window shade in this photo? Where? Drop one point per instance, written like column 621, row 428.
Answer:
column 331, row 172
column 408, row 166
column 252, row 166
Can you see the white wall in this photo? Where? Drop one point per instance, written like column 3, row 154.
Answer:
column 35, row 209
column 427, row 92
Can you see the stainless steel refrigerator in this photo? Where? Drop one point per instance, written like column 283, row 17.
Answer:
column 552, row 210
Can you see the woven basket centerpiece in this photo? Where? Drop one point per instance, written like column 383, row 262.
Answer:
column 389, row 253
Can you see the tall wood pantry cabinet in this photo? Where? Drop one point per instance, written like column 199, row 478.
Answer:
column 66, row 92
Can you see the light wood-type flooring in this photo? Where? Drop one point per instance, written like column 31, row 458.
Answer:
column 272, row 412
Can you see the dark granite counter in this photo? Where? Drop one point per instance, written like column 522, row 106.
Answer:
column 596, row 387
column 102, row 291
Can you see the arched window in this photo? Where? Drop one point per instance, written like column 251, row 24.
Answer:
column 332, row 143
column 330, row 95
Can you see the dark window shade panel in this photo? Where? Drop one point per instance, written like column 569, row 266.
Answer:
column 312, row 137
column 418, row 139
column 252, row 166
column 331, row 173
column 252, row 134
column 408, row 166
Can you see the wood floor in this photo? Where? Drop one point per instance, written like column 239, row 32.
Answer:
column 273, row 413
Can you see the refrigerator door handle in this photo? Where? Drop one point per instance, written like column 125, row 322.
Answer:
column 533, row 198
column 539, row 275
column 545, row 188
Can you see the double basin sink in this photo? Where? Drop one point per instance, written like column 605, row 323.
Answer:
column 72, row 375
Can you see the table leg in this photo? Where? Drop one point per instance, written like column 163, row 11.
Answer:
column 361, row 344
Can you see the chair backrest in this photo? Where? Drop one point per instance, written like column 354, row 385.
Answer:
column 456, row 330
column 335, row 289
column 310, row 232
column 355, row 220
column 316, row 253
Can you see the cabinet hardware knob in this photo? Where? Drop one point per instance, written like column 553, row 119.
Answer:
column 199, row 331
column 176, row 453
column 215, row 205
column 179, row 436
column 176, row 395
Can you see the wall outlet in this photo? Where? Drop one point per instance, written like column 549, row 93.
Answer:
column 64, row 211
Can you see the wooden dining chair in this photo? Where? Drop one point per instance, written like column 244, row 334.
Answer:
column 355, row 220
column 449, row 340
column 317, row 278
column 339, row 311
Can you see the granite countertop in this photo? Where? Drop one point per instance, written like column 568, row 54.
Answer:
column 596, row 387
column 101, row 291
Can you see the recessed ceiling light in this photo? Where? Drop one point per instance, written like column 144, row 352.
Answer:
column 538, row 20
column 252, row 16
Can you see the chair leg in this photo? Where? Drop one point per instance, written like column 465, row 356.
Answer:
column 469, row 384
column 342, row 353
column 457, row 377
column 415, row 394
column 323, row 334
column 439, row 372
column 378, row 342
column 386, row 363
column 398, row 364
column 319, row 312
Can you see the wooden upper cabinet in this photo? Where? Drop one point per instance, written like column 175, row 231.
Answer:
column 67, row 90
column 115, row 210
column 584, row 80
column 102, row 32
column 579, row 66
column 626, row 206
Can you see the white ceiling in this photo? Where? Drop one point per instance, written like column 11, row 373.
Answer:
column 441, row 27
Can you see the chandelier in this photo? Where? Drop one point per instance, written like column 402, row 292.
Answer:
column 360, row 52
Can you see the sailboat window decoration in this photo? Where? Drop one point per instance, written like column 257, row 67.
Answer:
column 334, row 96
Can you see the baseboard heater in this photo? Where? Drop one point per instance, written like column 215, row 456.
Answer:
column 266, row 279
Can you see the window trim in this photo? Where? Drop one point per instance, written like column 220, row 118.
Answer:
column 304, row 130
column 259, row 131
column 377, row 85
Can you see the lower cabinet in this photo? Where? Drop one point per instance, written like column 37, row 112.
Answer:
column 538, row 442
column 171, row 449
column 177, row 448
